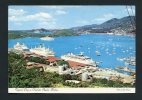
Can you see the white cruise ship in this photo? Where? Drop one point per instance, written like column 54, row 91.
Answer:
column 21, row 47
column 41, row 50
column 79, row 58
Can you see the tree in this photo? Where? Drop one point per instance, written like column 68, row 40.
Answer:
column 62, row 62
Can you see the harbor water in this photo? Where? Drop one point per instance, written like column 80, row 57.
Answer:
column 110, row 47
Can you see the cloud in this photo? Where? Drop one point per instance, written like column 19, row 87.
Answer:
column 97, row 20
column 15, row 12
column 40, row 19
column 48, row 25
column 41, row 16
column 18, row 23
column 60, row 12
column 103, row 18
column 59, row 7
column 109, row 15
column 84, row 22
column 52, row 7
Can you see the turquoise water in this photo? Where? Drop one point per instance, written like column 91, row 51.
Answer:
column 123, row 46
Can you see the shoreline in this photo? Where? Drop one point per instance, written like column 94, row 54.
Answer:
column 52, row 38
column 128, row 34
column 95, row 72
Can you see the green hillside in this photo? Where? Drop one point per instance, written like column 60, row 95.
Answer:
column 64, row 32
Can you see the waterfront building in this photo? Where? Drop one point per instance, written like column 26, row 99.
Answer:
column 62, row 69
column 75, row 65
column 53, row 60
column 84, row 76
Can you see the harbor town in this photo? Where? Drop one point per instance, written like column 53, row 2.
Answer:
column 63, row 47
column 74, row 64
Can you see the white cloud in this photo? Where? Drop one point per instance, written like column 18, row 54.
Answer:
column 97, row 20
column 59, row 7
column 52, row 7
column 103, row 18
column 15, row 12
column 84, row 22
column 40, row 19
column 18, row 23
column 41, row 16
column 109, row 15
column 48, row 25
column 60, row 12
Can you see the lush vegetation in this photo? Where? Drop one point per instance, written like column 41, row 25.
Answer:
column 15, row 35
column 20, row 77
column 64, row 32
column 38, row 60
column 20, row 34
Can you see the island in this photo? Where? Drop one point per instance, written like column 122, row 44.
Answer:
column 64, row 32
column 47, row 38
column 43, row 36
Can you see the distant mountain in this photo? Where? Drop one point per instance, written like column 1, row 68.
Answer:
column 126, row 24
column 84, row 27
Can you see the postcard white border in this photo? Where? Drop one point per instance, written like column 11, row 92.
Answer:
column 71, row 90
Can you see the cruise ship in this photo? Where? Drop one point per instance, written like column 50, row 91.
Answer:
column 41, row 50
column 21, row 47
column 79, row 58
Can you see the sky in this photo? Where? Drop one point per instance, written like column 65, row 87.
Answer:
column 60, row 17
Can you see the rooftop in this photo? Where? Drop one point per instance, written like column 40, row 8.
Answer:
column 75, row 64
column 52, row 59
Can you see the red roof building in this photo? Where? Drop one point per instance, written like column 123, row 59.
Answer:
column 52, row 59
column 75, row 64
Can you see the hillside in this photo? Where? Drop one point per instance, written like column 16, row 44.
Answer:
column 111, row 25
column 64, row 32
column 122, row 25
column 19, row 34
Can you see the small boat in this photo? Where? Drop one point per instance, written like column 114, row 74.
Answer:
column 107, row 52
column 123, row 51
column 120, row 59
column 106, row 49
column 91, row 42
column 130, row 48
column 97, row 53
column 113, row 52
